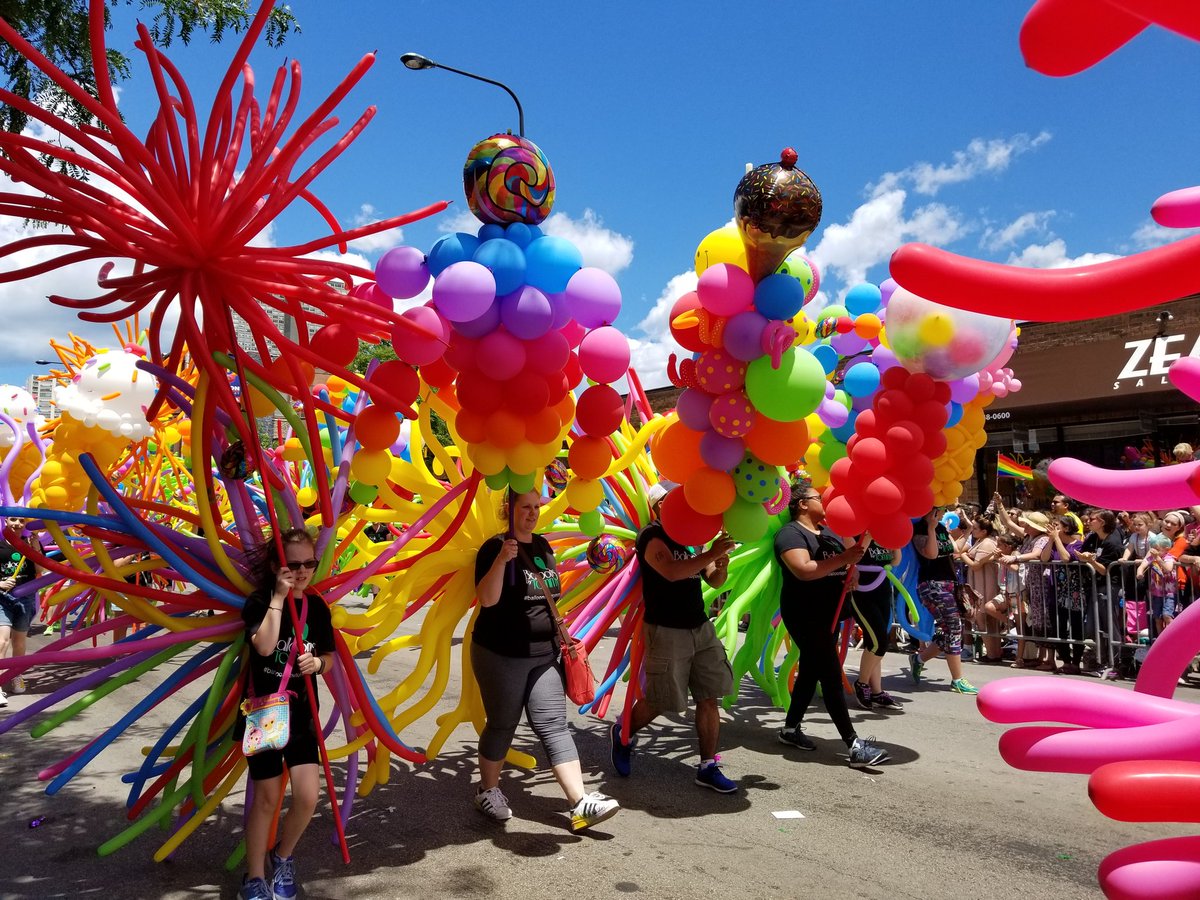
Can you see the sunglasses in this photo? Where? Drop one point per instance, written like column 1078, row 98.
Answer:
column 309, row 564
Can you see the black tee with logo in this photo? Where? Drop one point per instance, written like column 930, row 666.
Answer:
column 671, row 604
column 317, row 635
column 817, row 599
column 519, row 624
column 941, row 568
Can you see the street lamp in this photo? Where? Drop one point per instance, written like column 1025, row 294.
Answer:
column 416, row 62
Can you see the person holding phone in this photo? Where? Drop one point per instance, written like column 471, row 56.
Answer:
column 683, row 651
column 816, row 580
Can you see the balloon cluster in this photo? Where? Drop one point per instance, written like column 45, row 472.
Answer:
column 747, row 387
column 885, row 479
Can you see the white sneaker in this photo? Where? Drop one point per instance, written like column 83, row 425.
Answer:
column 493, row 804
column 3, row 700
column 17, row 685
column 592, row 809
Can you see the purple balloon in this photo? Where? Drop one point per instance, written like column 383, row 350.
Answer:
column 743, row 335
column 562, row 310
column 526, row 312
column 833, row 414
column 847, row 344
column 594, row 298
column 464, row 291
column 402, row 272
column 884, row 358
column 886, row 288
column 963, row 390
column 858, row 404
column 721, row 453
column 485, row 324
column 693, row 406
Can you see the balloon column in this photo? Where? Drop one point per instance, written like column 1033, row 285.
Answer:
column 748, row 388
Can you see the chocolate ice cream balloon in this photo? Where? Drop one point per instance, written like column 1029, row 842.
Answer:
column 776, row 207
column 508, row 179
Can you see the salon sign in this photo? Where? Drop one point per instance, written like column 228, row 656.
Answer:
column 1147, row 361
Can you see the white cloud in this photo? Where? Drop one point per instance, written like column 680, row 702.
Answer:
column 980, row 157
column 1053, row 255
column 995, row 239
column 462, row 219
column 649, row 354
column 601, row 247
column 876, row 229
column 1150, row 235
column 374, row 243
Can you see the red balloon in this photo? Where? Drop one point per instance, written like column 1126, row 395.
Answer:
column 684, row 524
column 547, row 354
column 572, row 370
column 397, row 378
column 599, row 410
column 462, row 352
column 903, row 439
column 920, row 387
column 935, row 444
column 866, row 424
column 941, row 392
column 883, row 496
column 526, row 393
column 686, row 337
column 376, row 428
column 930, row 415
column 918, row 500
column 478, row 392
column 892, row 532
column 438, row 374
column 915, row 471
column 841, row 475
column 556, row 385
column 337, row 343
column 471, row 426
column 844, row 517
column 871, row 457
column 892, row 406
column 895, row 377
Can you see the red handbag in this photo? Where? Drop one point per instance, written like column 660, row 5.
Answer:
column 577, row 671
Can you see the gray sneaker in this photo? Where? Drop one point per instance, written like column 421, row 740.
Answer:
column 493, row 804
column 864, row 753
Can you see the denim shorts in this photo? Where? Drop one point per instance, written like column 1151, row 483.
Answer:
column 17, row 612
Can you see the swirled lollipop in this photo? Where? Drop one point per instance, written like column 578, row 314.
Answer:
column 508, row 179
column 606, row 554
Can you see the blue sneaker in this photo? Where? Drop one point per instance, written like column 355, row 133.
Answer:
column 710, row 776
column 283, row 877
column 255, row 889
column 621, row 752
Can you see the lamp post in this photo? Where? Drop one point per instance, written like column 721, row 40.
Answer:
column 416, row 62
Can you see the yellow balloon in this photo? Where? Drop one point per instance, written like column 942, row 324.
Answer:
column 936, row 330
column 584, row 493
column 721, row 246
column 812, row 464
column 171, row 435
column 524, row 457
column 293, row 450
column 488, row 460
column 371, row 466
column 306, row 496
column 883, row 338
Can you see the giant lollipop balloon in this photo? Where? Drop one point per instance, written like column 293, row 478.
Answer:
column 508, row 179
column 776, row 207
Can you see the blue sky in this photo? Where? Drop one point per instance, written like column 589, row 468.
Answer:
column 917, row 122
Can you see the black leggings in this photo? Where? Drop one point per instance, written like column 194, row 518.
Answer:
column 1071, row 653
column 818, row 663
column 873, row 610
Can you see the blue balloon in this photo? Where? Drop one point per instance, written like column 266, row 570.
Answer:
column 491, row 232
column 778, row 296
column 862, row 298
column 826, row 356
column 956, row 412
column 951, row 521
column 550, row 262
column 507, row 262
column 861, row 380
column 519, row 233
column 451, row 249
column 844, row 432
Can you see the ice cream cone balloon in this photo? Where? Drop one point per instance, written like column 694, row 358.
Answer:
column 776, row 207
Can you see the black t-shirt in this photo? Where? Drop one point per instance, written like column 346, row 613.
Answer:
column 941, row 568
column 816, row 599
column 876, row 556
column 671, row 604
column 519, row 624
column 1108, row 550
column 14, row 565
column 267, row 671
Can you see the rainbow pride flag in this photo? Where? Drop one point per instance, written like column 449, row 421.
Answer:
column 1007, row 467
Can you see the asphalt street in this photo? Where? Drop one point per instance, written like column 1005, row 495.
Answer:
column 944, row 818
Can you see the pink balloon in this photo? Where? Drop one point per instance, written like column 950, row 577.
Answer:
column 604, row 355
column 731, row 415
column 1168, row 487
column 573, row 332
column 464, row 291
column 501, row 356
column 725, row 289
column 421, row 337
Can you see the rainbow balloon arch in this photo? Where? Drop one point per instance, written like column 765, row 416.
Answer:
column 177, row 457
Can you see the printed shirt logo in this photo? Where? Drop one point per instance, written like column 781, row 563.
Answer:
column 544, row 574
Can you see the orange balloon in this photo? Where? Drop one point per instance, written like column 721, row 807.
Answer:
column 471, row 426
column 376, row 428
column 777, row 443
column 709, row 491
column 543, row 426
column 566, row 408
column 677, row 452
column 589, row 457
column 505, row 429
column 256, row 401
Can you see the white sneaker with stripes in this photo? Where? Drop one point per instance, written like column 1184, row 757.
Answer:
column 493, row 804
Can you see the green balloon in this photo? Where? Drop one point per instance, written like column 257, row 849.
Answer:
column 520, row 482
column 324, row 437
column 746, row 522
column 833, row 311
column 591, row 523
column 363, row 493
column 499, row 481
column 755, row 480
column 790, row 392
column 831, row 453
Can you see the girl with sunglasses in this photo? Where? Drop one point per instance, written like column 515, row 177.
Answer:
column 270, row 632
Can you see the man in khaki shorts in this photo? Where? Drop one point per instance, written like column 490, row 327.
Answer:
column 682, row 648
